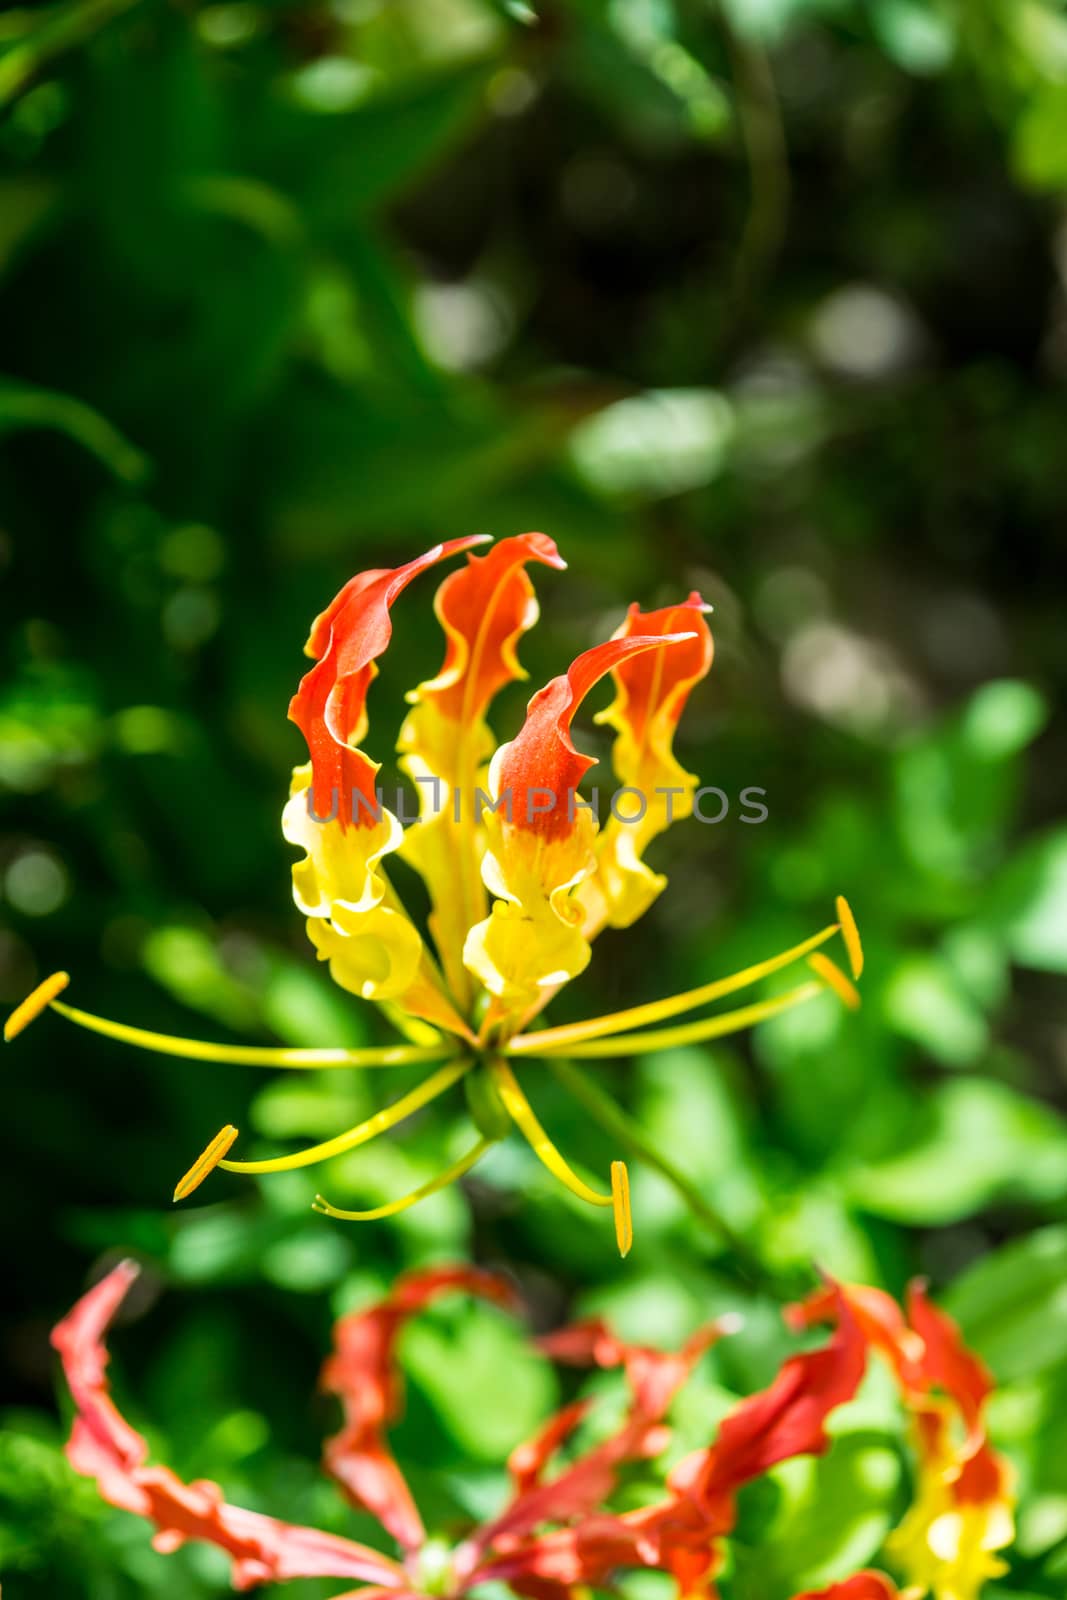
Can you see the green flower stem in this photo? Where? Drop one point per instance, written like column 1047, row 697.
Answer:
column 603, row 1109
column 59, row 29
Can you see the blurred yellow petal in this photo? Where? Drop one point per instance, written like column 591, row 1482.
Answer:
column 947, row 1543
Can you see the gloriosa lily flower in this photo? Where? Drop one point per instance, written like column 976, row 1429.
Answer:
column 557, row 1535
column 520, row 876
column 963, row 1512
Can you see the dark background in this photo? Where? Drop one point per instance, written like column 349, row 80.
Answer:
column 767, row 300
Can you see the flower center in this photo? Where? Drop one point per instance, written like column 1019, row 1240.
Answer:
column 433, row 1567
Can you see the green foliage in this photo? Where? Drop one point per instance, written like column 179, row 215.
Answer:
column 764, row 299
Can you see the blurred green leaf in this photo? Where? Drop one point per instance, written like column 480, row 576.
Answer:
column 975, row 1142
column 1041, row 138
column 635, row 66
column 486, row 1383
column 24, row 405
column 357, row 159
column 655, row 444
column 834, row 1515
column 186, row 961
column 956, row 786
column 1026, row 904
column 1012, row 1306
column 51, row 30
column 926, row 1001
column 24, row 203
column 919, row 36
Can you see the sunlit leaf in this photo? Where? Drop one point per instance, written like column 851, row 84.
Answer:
column 1026, row 905
column 975, row 1142
column 1012, row 1305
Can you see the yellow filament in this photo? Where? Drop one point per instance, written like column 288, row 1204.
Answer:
column 443, row 1179
column 851, row 935
column 251, row 1055
column 35, row 1003
column 659, row 1010
column 633, row 1044
column 620, row 1198
column 522, row 1114
column 835, row 979
column 207, row 1162
column 435, row 1085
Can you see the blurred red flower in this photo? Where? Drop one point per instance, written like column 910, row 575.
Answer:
column 556, row 1531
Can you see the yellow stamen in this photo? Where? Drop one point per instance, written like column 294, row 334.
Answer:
column 525, row 1119
column 450, row 1174
column 832, row 975
column 633, row 1044
column 388, row 1117
column 659, row 1010
column 251, row 1055
column 620, row 1197
column 35, row 1003
column 206, row 1163
column 851, row 935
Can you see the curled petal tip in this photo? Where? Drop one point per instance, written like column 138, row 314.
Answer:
column 34, row 1004
column 851, row 935
column 206, row 1162
column 835, row 979
column 547, row 553
column 620, row 1199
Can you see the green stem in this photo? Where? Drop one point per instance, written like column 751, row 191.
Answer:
column 58, row 30
column 622, row 1127
column 763, row 135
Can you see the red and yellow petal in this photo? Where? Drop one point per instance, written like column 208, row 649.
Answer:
column 652, row 691
column 103, row 1446
column 541, row 769
column 541, row 837
column 683, row 1534
column 363, row 1373
column 963, row 1511
column 484, row 609
column 329, row 707
column 354, row 920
